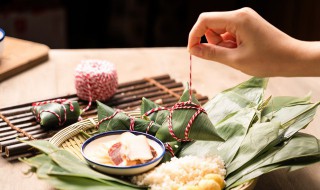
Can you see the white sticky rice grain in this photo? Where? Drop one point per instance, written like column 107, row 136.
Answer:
column 188, row 170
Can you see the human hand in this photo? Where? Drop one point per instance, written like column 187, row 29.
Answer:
column 245, row 41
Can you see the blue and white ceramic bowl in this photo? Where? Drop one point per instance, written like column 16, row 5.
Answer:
column 2, row 35
column 90, row 145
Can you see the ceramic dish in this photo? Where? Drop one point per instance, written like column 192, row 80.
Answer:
column 91, row 144
column 2, row 35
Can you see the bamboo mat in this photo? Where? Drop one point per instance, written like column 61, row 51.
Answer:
column 162, row 89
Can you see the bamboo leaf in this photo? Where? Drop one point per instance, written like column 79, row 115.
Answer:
column 263, row 143
column 70, row 163
column 233, row 129
column 159, row 116
column 201, row 149
column 276, row 103
column 46, row 167
column 42, row 145
column 258, row 138
column 290, row 165
column 288, row 152
column 36, row 161
column 246, row 94
column 299, row 122
column 286, row 114
column 186, row 96
column 78, row 183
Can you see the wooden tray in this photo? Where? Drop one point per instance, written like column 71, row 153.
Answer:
column 162, row 89
column 19, row 55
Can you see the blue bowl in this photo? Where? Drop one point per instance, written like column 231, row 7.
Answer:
column 90, row 145
column 2, row 34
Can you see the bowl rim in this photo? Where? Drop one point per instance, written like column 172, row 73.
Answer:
column 4, row 34
column 117, row 132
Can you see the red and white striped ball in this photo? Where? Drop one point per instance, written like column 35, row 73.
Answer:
column 96, row 80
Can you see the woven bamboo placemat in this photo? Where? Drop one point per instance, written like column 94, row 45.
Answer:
column 162, row 89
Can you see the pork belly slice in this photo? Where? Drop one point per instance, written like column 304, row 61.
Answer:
column 135, row 147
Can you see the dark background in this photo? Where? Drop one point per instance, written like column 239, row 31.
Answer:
column 140, row 23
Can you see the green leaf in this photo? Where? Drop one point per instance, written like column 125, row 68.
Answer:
column 290, row 165
column 263, row 142
column 159, row 116
column 79, row 183
column 246, row 94
column 46, row 167
column 186, row 97
column 67, row 161
column 42, row 145
column 260, row 135
column 300, row 121
column 277, row 103
column 36, row 161
column 290, row 152
column 233, row 129
column 201, row 149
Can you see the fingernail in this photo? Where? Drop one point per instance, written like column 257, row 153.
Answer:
column 195, row 50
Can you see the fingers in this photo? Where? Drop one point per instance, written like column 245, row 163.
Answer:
column 224, row 40
column 221, row 54
column 212, row 37
column 216, row 21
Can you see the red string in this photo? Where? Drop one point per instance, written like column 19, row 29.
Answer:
column 169, row 148
column 190, row 79
column 107, row 118
column 90, row 97
column 149, row 126
column 132, row 120
column 131, row 123
column 180, row 105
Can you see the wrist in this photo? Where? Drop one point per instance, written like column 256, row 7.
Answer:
column 308, row 58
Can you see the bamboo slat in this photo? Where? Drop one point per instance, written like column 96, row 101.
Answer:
column 162, row 89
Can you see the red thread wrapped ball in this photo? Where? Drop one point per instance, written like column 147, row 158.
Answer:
column 96, row 80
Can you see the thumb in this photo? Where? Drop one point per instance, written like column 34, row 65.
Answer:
column 211, row 52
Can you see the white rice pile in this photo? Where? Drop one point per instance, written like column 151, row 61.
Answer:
column 188, row 170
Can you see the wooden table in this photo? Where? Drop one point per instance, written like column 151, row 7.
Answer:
column 56, row 78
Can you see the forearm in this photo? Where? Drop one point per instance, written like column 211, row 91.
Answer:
column 309, row 64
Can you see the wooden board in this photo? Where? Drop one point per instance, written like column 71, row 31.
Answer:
column 19, row 55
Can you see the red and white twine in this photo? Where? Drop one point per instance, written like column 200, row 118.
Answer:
column 169, row 148
column 131, row 125
column 180, row 105
column 95, row 80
